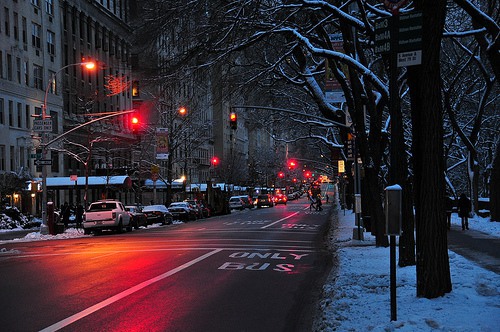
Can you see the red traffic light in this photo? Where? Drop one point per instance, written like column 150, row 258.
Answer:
column 281, row 175
column 215, row 161
column 134, row 124
column 291, row 164
column 233, row 120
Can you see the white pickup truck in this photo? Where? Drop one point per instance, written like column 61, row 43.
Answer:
column 106, row 214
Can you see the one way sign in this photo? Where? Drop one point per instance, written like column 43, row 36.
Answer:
column 42, row 162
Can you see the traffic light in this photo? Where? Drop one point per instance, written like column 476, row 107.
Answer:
column 292, row 164
column 281, row 175
column 134, row 124
column 136, row 92
column 215, row 161
column 233, row 120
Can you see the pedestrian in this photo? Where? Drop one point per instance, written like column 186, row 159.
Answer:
column 79, row 215
column 327, row 198
column 318, row 203
column 312, row 205
column 66, row 212
column 464, row 209
column 449, row 210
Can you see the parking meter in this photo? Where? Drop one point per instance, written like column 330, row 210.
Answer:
column 51, row 218
column 393, row 210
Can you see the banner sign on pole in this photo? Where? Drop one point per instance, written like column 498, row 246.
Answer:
column 161, row 143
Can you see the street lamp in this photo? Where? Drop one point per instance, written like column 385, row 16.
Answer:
column 88, row 65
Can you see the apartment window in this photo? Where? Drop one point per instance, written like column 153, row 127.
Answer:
column 36, row 40
column 16, row 26
column 19, row 114
column 26, row 73
column 2, row 111
column 37, row 77
column 2, row 158
column 53, row 83
column 25, row 32
column 35, row 3
column 27, row 116
column 49, row 7
column 22, row 156
column 1, row 64
column 38, row 111
column 18, row 70
column 7, row 21
column 12, row 158
column 51, row 47
column 11, row 113
column 9, row 67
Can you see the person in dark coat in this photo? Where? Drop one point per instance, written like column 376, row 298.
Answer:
column 449, row 209
column 79, row 215
column 66, row 212
column 464, row 208
column 318, row 203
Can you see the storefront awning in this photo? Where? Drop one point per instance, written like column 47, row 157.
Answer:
column 93, row 181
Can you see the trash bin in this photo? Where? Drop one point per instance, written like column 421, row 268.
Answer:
column 367, row 223
column 59, row 228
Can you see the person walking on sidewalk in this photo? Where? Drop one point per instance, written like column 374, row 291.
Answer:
column 464, row 208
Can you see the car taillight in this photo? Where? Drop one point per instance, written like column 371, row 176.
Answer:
column 113, row 214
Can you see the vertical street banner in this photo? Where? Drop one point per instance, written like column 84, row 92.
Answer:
column 161, row 143
column 333, row 89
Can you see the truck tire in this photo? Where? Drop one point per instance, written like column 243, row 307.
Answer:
column 119, row 228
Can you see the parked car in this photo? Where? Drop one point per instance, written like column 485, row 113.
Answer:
column 106, row 214
column 197, row 206
column 236, row 203
column 264, row 200
column 158, row 214
column 137, row 218
column 182, row 211
column 247, row 201
column 280, row 199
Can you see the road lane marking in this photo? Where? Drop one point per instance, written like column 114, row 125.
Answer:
column 277, row 221
column 65, row 322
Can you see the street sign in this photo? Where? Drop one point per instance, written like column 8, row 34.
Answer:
column 43, row 162
column 410, row 32
column 409, row 36
column 35, row 155
column 40, row 125
column 412, row 58
column 383, row 35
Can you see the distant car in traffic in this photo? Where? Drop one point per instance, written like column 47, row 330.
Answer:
column 157, row 214
column 182, row 211
column 247, row 201
column 236, row 203
column 137, row 218
column 264, row 200
column 280, row 199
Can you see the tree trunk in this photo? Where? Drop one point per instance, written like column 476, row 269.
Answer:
column 433, row 269
column 495, row 187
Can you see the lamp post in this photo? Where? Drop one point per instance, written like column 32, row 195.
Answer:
column 88, row 65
